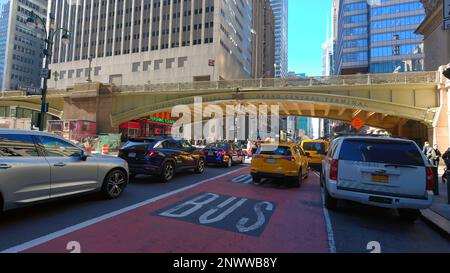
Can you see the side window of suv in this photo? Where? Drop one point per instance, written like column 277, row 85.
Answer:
column 332, row 149
column 58, row 148
column 17, row 146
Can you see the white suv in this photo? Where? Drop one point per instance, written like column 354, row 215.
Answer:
column 378, row 171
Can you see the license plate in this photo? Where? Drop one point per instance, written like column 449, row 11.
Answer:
column 271, row 160
column 211, row 153
column 380, row 178
column 132, row 155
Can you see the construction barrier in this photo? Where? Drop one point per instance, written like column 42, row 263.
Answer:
column 105, row 149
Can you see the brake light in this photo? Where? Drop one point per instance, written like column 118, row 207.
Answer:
column 334, row 169
column 429, row 178
column 151, row 153
column 221, row 153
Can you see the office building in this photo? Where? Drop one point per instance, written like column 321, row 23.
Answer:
column 378, row 36
column 20, row 45
column 327, row 57
column 280, row 12
column 436, row 38
column 263, row 26
column 159, row 41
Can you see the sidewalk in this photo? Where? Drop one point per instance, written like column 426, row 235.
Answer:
column 438, row 214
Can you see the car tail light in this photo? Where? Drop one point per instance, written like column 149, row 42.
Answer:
column 221, row 153
column 334, row 169
column 429, row 178
column 290, row 158
column 151, row 153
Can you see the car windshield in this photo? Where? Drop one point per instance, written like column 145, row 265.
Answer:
column 314, row 146
column 217, row 146
column 381, row 151
column 274, row 150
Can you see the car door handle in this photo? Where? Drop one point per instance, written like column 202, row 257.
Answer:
column 60, row 164
column 5, row 166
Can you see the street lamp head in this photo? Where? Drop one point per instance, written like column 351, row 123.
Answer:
column 31, row 22
column 65, row 38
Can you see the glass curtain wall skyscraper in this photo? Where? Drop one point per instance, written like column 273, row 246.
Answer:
column 377, row 36
column 280, row 12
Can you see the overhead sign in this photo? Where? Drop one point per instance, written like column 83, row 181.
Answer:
column 161, row 120
column 447, row 24
column 358, row 123
column 45, row 73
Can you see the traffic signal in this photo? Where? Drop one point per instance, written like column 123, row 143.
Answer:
column 446, row 73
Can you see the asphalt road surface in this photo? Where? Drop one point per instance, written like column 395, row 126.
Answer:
column 219, row 211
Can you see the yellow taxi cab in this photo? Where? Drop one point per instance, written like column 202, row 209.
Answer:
column 283, row 160
column 317, row 150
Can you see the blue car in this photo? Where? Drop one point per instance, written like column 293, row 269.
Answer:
column 223, row 154
column 161, row 157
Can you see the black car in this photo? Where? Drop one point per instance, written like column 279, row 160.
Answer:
column 223, row 153
column 162, row 157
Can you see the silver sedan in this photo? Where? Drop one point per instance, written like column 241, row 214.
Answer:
column 38, row 166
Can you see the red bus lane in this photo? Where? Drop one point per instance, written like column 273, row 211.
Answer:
column 223, row 215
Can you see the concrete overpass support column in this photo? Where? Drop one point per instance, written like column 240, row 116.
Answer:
column 441, row 128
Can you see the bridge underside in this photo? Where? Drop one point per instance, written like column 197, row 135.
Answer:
column 403, row 109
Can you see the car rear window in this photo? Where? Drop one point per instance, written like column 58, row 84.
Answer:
column 138, row 146
column 381, row 151
column 314, row 146
column 274, row 150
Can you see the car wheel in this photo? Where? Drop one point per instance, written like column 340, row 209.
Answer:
column 256, row 179
column 409, row 215
column 229, row 163
column 330, row 201
column 168, row 171
column 297, row 181
column 114, row 184
column 200, row 166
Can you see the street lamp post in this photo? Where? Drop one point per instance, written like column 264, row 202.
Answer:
column 256, row 52
column 33, row 21
column 90, row 68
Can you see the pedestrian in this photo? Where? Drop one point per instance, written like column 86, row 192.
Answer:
column 426, row 146
column 446, row 158
column 434, row 155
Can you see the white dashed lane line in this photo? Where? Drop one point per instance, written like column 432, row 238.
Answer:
column 330, row 234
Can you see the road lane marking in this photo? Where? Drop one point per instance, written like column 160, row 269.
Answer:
column 243, row 178
column 330, row 234
column 231, row 213
column 62, row 232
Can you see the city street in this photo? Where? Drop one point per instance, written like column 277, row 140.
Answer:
column 220, row 211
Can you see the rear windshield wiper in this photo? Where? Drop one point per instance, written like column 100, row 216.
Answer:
column 400, row 166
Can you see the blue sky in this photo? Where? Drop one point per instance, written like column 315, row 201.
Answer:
column 307, row 32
